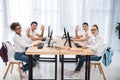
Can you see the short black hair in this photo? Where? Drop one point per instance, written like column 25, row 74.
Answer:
column 34, row 22
column 95, row 25
column 14, row 25
column 85, row 23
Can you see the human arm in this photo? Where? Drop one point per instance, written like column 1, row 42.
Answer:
column 96, row 45
column 33, row 37
column 20, row 41
column 76, row 33
column 42, row 28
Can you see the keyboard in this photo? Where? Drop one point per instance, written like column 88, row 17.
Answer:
column 41, row 45
column 77, row 45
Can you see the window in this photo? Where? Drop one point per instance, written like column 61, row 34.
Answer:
column 1, row 20
column 46, row 12
column 60, row 13
column 43, row 11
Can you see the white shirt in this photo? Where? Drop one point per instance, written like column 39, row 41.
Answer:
column 33, row 32
column 28, row 39
column 82, row 32
column 20, row 43
column 96, row 44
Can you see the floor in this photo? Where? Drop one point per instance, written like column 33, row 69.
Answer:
column 46, row 70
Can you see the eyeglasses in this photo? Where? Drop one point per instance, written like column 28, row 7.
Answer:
column 93, row 29
column 18, row 28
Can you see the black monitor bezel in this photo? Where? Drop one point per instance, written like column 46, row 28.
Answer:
column 69, row 40
column 65, row 34
column 50, row 39
column 48, row 31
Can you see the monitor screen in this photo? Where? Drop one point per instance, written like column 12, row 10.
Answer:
column 69, row 41
column 50, row 39
column 64, row 35
column 51, row 34
column 48, row 31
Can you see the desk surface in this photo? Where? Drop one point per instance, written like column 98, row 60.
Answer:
column 45, row 51
column 59, row 51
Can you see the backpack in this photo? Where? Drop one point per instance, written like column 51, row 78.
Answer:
column 107, row 57
column 4, row 53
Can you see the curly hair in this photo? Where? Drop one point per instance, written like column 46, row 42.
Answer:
column 14, row 25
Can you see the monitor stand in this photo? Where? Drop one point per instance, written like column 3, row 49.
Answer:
column 50, row 45
column 63, row 36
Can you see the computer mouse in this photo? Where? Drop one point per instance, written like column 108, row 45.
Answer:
column 43, row 39
column 40, row 46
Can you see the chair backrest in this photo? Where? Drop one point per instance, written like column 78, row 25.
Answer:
column 103, row 47
column 11, row 50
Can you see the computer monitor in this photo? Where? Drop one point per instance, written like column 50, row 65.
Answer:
column 50, row 39
column 48, row 31
column 69, row 40
column 64, row 35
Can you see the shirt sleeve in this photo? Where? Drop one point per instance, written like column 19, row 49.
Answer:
column 21, row 42
column 96, row 45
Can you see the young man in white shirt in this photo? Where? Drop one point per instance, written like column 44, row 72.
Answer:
column 95, row 44
column 84, row 34
column 21, row 45
column 33, row 35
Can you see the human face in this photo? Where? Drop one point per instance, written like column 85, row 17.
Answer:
column 85, row 27
column 94, row 31
column 33, row 27
column 18, row 29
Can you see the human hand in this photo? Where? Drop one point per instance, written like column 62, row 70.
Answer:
column 84, row 46
column 36, row 44
column 77, row 28
column 80, row 36
column 42, row 28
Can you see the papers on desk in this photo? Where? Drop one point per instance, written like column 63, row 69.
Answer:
column 74, row 49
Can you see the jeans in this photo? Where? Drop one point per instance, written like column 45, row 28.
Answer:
column 83, row 59
column 35, row 57
column 22, row 57
column 78, row 57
